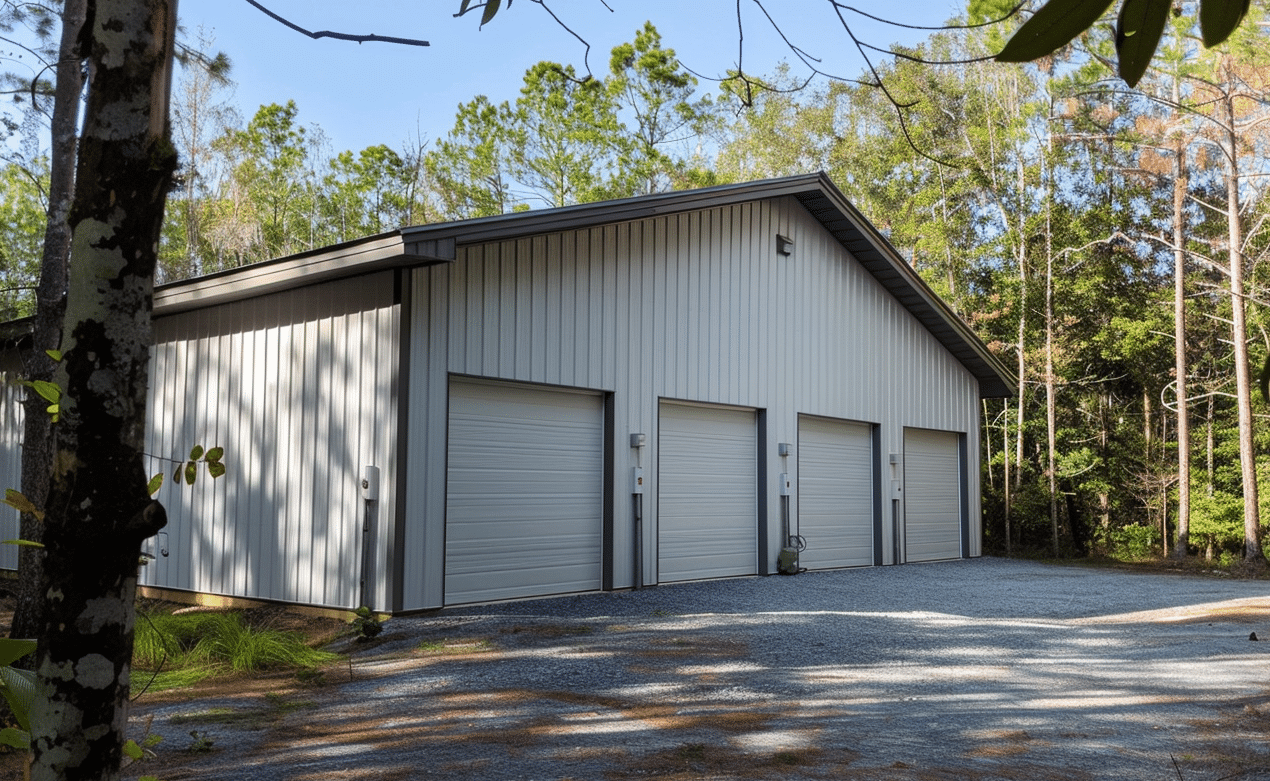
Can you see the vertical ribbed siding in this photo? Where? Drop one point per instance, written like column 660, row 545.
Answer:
column 695, row 306
column 299, row 388
column 11, row 425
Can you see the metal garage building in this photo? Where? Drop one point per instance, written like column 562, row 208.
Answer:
column 567, row 400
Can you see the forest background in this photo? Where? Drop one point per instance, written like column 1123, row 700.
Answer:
column 1072, row 221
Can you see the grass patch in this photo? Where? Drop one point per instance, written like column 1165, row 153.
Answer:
column 254, row 717
column 190, row 647
column 166, row 680
column 454, row 647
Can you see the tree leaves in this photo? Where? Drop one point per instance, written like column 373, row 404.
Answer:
column 491, row 8
column 1056, row 24
column 1219, row 18
column 1138, row 29
column 187, row 471
column 18, row 501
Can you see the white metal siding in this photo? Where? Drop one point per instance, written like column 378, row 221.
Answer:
column 299, row 388
column 707, row 524
column 932, row 491
column 524, row 509
column 11, row 430
column 694, row 306
column 835, row 493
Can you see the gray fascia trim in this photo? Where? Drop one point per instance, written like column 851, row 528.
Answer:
column 512, row 226
column 354, row 258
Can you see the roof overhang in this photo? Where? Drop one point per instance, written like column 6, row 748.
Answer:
column 354, row 258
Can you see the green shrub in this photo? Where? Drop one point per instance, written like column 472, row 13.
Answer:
column 1133, row 542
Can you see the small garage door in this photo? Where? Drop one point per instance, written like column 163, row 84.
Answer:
column 835, row 493
column 932, row 490
column 707, row 495
column 524, row 492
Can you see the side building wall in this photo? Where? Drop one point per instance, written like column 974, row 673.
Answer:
column 299, row 388
column 12, row 395
column 696, row 307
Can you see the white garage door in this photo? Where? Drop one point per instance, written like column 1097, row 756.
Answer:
column 707, row 495
column 524, row 492
column 835, row 493
column 932, row 490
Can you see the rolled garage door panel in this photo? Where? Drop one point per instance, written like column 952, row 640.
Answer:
column 707, row 524
column 932, row 490
column 835, row 493
column 524, row 492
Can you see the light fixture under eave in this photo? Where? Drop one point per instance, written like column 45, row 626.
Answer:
column 784, row 245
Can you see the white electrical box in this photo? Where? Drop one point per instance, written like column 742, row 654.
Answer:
column 637, row 480
column 787, row 488
column 896, row 490
column 370, row 483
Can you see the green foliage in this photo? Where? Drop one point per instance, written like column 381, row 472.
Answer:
column 218, row 641
column 1132, row 542
column 22, row 222
column 1217, row 520
column 188, row 470
column 366, row 623
column 19, row 689
column 1138, row 29
column 18, row 501
column 471, row 166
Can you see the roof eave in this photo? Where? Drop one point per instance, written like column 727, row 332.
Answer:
column 354, row 258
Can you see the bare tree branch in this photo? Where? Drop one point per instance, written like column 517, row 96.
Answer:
column 372, row 38
column 988, row 23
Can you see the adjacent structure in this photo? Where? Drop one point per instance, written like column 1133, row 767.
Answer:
column 627, row 393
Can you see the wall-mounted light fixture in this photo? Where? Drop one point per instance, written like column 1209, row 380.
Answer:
column 784, row 245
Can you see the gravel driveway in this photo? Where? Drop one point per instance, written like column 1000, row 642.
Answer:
column 985, row 668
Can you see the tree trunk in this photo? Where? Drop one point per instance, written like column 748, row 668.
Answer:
column 1210, row 446
column 1180, row 186
column 1005, row 477
column 37, row 442
column 99, row 509
column 1051, row 416
column 1239, row 335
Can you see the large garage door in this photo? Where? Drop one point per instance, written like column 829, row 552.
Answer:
column 932, row 490
column 524, row 492
column 707, row 495
column 835, row 493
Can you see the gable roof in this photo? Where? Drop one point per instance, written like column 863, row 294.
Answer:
column 437, row 243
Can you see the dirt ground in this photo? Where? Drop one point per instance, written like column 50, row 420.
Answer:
column 592, row 695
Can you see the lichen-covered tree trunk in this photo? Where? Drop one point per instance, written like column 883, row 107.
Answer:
column 99, row 510
column 37, row 436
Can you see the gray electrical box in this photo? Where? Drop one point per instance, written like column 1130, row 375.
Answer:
column 370, row 483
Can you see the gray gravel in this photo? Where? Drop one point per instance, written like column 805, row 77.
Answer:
column 984, row 668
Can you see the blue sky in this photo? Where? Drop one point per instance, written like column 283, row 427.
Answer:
column 364, row 94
